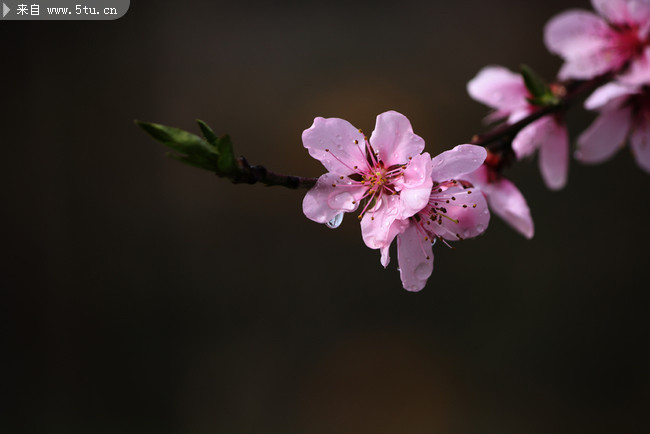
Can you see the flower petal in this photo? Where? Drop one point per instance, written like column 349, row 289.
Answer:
column 604, row 136
column 415, row 185
column 467, row 215
column 640, row 143
column 623, row 12
column 506, row 201
column 499, row 88
column 580, row 37
column 457, row 161
column 415, row 258
column 332, row 142
column 323, row 202
column 394, row 139
column 377, row 225
column 639, row 12
column 614, row 11
column 385, row 258
column 638, row 73
column 609, row 94
column 531, row 137
column 554, row 156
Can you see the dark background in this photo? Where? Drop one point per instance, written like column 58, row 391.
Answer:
column 143, row 296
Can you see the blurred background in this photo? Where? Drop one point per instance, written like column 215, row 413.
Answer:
column 140, row 295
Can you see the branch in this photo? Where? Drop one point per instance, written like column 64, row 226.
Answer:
column 216, row 153
column 252, row 174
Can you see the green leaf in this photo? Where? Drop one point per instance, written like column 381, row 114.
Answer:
column 534, row 83
column 227, row 163
column 209, row 135
column 194, row 149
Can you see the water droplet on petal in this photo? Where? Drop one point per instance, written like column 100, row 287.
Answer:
column 440, row 161
column 335, row 222
column 480, row 228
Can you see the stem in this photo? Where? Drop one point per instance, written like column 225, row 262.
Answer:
column 253, row 174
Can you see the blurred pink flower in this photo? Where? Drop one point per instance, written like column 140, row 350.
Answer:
column 504, row 199
column 454, row 211
column 592, row 45
column 387, row 171
column 624, row 107
column 505, row 91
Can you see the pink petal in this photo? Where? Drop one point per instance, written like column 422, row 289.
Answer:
column 332, row 142
column 322, row 202
column 638, row 73
column 385, row 258
column 640, row 143
column 639, row 11
column 624, row 12
column 612, row 92
column 581, row 38
column 507, row 202
column 479, row 177
column 415, row 258
column 604, row 136
column 519, row 114
column 463, row 222
column 394, row 139
column 614, row 11
column 457, row 161
column 380, row 225
column 531, row 137
column 554, row 156
column 415, row 186
column 499, row 88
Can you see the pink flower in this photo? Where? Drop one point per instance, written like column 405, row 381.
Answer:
column 592, row 45
column 624, row 108
column 504, row 199
column 454, row 211
column 387, row 173
column 505, row 91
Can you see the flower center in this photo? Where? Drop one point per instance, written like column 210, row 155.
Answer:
column 374, row 176
column 629, row 42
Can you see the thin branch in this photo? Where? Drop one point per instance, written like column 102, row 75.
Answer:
column 253, row 174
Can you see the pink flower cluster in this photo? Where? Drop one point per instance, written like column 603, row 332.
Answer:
column 402, row 192
column 615, row 41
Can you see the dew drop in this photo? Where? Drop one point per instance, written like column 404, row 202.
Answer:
column 335, row 222
column 480, row 228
